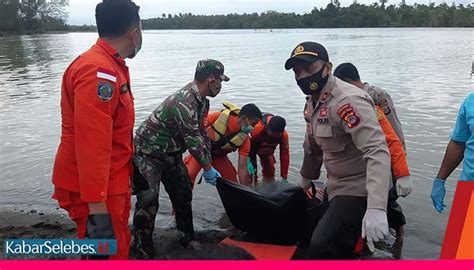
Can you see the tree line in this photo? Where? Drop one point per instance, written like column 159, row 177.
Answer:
column 37, row 16
column 333, row 15
column 32, row 16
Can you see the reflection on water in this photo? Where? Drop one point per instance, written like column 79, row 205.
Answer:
column 425, row 70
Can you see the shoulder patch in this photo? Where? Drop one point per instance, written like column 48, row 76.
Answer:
column 105, row 91
column 348, row 115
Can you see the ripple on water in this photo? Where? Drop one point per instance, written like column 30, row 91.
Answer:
column 427, row 88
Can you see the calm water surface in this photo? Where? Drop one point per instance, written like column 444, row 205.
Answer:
column 425, row 70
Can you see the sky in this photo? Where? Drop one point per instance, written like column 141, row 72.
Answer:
column 82, row 11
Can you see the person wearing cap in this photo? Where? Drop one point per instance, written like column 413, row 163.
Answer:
column 175, row 126
column 349, row 73
column 388, row 119
column 343, row 133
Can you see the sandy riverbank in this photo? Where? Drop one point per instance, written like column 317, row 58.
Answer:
column 27, row 223
column 30, row 223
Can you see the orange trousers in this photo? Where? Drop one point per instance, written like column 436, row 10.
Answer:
column 118, row 207
column 221, row 163
column 268, row 166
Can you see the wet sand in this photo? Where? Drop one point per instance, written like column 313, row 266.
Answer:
column 28, row 223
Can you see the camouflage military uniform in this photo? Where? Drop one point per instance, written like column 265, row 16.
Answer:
column 174, row 127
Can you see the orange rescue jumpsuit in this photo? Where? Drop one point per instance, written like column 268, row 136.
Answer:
column 264, row 146
column 93, row 162
column 221, row 163
column 398, row 158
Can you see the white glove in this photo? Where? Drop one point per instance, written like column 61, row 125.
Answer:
column 374, row 227
column 404, row 186
column 304, row 183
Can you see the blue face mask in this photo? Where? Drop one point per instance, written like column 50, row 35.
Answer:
column 138, row 46
column 247, row 129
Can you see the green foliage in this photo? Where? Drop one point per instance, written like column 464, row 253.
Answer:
column 37, row 16
column 82, row 28
column 332, row 16
column 32, row 16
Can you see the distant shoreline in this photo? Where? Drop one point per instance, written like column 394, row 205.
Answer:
column 333, row 15
column 13, row 34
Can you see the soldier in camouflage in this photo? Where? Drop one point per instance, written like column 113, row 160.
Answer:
column 174, row 127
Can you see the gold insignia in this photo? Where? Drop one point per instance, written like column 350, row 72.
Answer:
column 298, row 50
column 313, row 86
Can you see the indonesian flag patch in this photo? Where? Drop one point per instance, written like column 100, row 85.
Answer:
column 103, row 73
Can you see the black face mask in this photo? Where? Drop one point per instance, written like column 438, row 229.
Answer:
column 313, row 84
column 215, row 91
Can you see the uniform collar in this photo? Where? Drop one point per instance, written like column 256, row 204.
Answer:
column 325, row 93
column 196, row 92
column 312, row 105
column 110, row 50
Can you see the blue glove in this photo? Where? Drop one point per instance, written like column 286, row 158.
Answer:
column 437, row 194
column 211, row 176
column 250, row 167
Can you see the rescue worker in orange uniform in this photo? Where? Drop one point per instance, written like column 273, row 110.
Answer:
column 268, row 134
column 92, row 169
column 395, row 146
column 228, row 131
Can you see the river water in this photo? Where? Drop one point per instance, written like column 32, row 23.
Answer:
column 426, row 71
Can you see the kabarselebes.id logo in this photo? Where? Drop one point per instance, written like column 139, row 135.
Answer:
column 69, row 247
